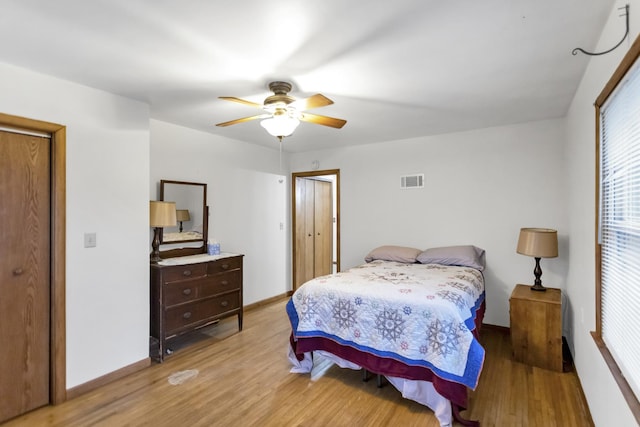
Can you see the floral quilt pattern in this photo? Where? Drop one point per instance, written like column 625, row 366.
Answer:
column 420, row 314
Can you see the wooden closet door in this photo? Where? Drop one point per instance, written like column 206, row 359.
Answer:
column 24, row 273
column 304, row 257
column 323, row 228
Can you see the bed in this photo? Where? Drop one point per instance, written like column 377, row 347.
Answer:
column 412, row 316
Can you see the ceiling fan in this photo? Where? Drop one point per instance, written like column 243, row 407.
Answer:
column 283, row 112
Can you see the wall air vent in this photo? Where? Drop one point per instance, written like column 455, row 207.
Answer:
column 412, row 181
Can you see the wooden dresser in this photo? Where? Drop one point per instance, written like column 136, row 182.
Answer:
column 188, row 293
column 536, row 327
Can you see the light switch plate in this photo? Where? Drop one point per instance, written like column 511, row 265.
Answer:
column 89, row 240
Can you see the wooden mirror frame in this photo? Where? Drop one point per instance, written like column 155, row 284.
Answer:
column 170, row 250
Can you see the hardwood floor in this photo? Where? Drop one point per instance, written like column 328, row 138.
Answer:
column 243, row 379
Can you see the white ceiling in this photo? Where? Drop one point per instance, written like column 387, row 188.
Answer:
column 395, row 70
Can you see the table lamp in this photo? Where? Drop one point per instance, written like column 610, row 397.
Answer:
column 538, row 243
column 182, row 215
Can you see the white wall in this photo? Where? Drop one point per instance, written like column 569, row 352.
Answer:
column 108, row 188
column 606, row 402
column 481, row 188
column 247, row 198
column 107, row 287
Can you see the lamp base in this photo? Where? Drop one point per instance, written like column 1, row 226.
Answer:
column 537, row 272
column 155, row 245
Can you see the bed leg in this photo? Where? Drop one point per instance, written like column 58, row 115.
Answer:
column 456, row 416
column 379, row 380
column 365, row 375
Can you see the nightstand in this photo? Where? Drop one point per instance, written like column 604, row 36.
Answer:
column 536, row 327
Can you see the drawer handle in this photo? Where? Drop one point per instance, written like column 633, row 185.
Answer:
column 225, row 266
column 224, row 303
column 187, row 315
column 186, row 291
column 224, row 282
column 186, row 273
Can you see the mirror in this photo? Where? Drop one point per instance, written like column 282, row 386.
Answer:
column 191, row 208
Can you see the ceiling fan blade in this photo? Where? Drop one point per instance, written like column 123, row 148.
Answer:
column 314, row 101
column 323, row 120
column 246, row 119
column 241, row 101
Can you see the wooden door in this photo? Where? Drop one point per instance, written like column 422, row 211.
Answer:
column 314, row 229
column 323, row 228
column 24, row 273
column 304, row 257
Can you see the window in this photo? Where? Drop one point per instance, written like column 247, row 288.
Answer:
column 618, row 233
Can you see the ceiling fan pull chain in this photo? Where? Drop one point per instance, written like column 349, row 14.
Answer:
column 280, row 145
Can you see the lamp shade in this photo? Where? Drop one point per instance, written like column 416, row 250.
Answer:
column 182, row 215
column 538, row 242
column 162, row 214
column 280, row 125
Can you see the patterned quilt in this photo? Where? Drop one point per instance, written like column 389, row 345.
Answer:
column 418, row 314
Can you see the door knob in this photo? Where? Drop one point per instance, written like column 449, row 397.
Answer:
column 18, row 272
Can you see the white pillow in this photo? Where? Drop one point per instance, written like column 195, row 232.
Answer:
column 466, row 256
column 393, row 253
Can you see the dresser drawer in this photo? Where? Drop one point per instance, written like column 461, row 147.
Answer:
column 181, row 272
column 184, row 317
column 185, row 291
column 221, row 283
column 199, row 312
column 225, row 264
column 224, row 303
column 182, row 292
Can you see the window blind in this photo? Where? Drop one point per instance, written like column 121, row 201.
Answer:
column 619, row 225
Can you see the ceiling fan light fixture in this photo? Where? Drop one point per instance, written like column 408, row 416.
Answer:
column 280, row 125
